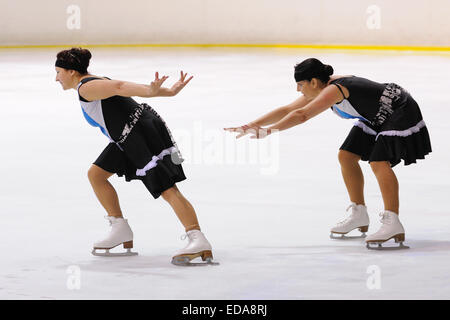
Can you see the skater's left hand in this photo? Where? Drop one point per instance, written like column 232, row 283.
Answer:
column 180, row 84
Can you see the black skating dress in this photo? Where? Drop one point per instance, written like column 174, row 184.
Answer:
column 141, row 146
column 390, row 126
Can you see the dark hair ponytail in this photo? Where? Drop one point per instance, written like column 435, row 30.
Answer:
column 313, row 68
column 74, row 59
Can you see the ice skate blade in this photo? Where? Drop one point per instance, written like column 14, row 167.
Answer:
column 127, row 253
column 193, row 264
column 379, row 246
column 185, row 260
column 342, row 236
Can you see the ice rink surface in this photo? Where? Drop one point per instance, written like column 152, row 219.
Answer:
column 267, row 217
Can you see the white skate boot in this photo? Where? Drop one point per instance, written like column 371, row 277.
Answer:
column 120, row 234
column 198, row 246
column 390, row 228
column 358, row 219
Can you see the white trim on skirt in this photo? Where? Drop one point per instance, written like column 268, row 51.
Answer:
column 153, row 162
column 398, row 133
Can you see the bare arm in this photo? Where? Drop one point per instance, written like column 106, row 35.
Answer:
column 103, row 89
column 270, row 117
column 329, row 96
column 279, row 113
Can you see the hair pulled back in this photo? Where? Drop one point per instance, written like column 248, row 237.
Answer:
column 74, row 59
column 313, row 68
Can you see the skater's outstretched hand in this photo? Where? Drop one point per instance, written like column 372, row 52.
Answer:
column 155, row 86
column 261, row 133
column 242, row 130
column 180, row 84
column 256, row 131
column 156, row 89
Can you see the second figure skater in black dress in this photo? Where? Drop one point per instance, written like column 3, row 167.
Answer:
column 389, row 128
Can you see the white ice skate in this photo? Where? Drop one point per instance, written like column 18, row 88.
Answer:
column 120, row 234
column 358, row 219
column 198, row 246
column 391, row 228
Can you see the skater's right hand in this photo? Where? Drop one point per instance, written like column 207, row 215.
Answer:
column 244, row 130
column 156, row 84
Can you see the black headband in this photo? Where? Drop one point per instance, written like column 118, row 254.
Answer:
column 70, row 66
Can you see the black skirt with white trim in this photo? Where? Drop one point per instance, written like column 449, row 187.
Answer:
column 403, row 136
column 148, row 153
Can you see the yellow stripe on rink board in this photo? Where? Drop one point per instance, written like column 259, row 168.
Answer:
column 239, row 45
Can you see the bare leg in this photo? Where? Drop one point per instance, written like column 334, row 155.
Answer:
column 353, row 176
column 104, row 191
column 182, row 207
column 388, row 184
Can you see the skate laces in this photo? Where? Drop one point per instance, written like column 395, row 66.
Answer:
column 345, row 219
column 192, row 236
column 110, row 219
column 385, row 218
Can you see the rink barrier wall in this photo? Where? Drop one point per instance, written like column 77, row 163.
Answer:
column 399, row 23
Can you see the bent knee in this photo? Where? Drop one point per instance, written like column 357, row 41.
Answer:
column 95, row 173
column 378, row 166
column 168, row 194
column 346, row 157
column 171, row 193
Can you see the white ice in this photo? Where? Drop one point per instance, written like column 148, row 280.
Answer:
column 269, row 229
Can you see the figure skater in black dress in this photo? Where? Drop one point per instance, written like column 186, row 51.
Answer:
column 141, row 147
column 389, row 128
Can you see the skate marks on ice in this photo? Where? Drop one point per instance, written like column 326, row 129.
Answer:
column 429, row 245
column 289, row 252
column 348, row 249
column 9, row 290
column 20, row 282
column 156, row 267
